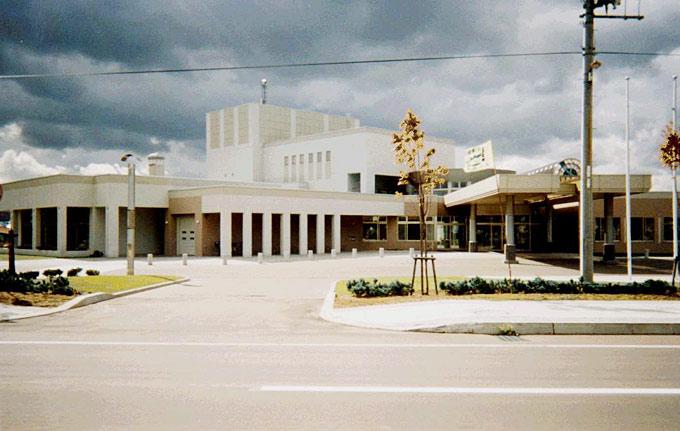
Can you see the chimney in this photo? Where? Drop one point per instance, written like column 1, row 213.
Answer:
column 156, row 165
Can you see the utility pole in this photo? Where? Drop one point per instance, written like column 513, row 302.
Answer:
column 586, row 196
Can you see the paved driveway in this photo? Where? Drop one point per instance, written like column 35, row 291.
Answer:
column 241, row 347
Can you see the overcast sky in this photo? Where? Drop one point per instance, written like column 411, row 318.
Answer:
column 529, row 107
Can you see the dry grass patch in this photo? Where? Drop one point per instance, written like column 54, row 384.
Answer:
column 34, row 299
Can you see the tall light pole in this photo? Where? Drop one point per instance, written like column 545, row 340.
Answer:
column 629, row 248
column 263, row 83
column 586, row 196
column 129, row 158
column 674, row 171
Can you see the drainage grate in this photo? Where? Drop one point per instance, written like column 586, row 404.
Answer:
column 511, row 338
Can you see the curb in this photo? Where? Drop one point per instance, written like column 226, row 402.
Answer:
column 91, row 298
column 329, row 313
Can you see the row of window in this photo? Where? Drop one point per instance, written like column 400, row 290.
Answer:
column 294, row 167
column 375, row 227
column 641, row 229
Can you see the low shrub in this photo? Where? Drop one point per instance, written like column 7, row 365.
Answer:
column 367, row 289
column 92, row 272
column 479, row 285
column 52, row 272
column 73, row 272
column 28, row 282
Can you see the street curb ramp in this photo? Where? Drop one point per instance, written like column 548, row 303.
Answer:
column 89, row 299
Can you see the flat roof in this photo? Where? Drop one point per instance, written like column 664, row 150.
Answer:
column 536, row 188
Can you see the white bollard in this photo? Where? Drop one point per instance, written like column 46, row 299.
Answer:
column 184, row 259
column 260, row 257
column 646, row 253
column 224, row 260
column 310, row 254
column 381, row 252
column 333, row 253
column 354, row 252
column 149, row 259
column 410, row 252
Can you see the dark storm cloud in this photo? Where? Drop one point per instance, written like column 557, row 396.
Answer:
column 529, row 105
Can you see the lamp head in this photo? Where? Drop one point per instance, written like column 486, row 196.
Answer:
column 126, row 157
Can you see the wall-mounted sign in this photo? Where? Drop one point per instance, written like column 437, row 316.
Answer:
column 479, row 157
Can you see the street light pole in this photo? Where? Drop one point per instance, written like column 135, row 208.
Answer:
column 130, row 214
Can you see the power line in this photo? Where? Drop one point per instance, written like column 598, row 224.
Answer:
column 287, row 65
column 325, row 63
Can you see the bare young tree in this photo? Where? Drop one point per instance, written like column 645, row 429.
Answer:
column 410, row 152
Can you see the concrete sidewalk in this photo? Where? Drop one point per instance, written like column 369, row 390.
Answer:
column 524, row 317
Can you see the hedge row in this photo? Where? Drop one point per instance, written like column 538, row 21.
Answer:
column 28, row 282
column 366, row 289
column 479, row 285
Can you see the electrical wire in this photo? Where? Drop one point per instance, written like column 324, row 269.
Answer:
column 323, row 63
column 287, row 65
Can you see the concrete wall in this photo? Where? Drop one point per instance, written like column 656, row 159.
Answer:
column 366, row 151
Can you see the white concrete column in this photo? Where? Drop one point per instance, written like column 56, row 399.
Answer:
column 61, row 230
column 302, row 236
column 93, row 229
column 111, row 248
column 337, row 233
column 225, row 233
column 472, row 234
column 510, row 230
column 320, row 233
column 267, row 233
column 284, row 231
column 609, row 219
column 13, row 220
column 247, row 234
column 549, row 225
column 16, row 225
column 35, row 234
column 510, row 220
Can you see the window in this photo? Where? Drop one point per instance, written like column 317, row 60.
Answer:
column 668, row 228
column 310, row 166
column 293, row 169
column 302, row 167
column 318, row 165
column 328, row 164
column 600, row 229
column 375, row 228
column 642, row 229
column 286, row 173
column 409, row 228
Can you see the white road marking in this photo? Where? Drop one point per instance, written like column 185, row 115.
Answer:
column 518, row 345
column 472, row 390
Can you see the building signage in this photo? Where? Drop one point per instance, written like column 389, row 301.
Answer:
column 479, row 157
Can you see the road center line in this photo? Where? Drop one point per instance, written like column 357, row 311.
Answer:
column 514, row 345
column 471, row 390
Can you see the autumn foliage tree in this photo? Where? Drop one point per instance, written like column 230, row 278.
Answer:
column 669, row 153
column 410, row 152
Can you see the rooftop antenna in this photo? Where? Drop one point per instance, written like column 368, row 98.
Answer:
column 263, row 100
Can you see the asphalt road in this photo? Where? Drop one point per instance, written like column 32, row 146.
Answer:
column 242, row 348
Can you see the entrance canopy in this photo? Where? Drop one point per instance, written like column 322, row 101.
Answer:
column 529, row 189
